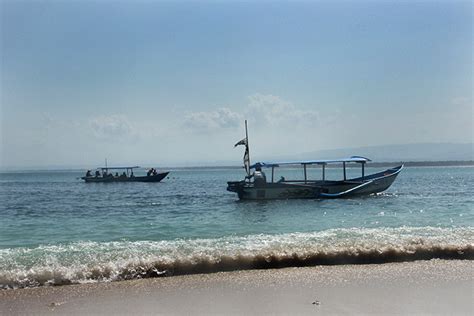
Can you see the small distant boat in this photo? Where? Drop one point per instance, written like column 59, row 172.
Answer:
column 106, row 174
column 256, row 187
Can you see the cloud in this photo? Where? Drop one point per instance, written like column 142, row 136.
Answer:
column 273, row 111
column 461, row 101
column 263, row 110
column 222, row 118
column 112, row 127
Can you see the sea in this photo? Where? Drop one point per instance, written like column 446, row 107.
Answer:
column 57, row 230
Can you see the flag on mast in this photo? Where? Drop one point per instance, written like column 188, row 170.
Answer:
column 247, row 160
column 242, row 142
column 245, row 142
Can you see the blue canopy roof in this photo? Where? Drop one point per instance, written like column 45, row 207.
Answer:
column 134, row 167
column 264, row 164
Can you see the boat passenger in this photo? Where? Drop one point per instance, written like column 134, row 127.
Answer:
column 282, row 179
column 124, row 175
column 116, row 175
column 88, row 173
column 149, row 172
column 97, row 173
column 154, row 172
column 132, row 175
column 259, row 177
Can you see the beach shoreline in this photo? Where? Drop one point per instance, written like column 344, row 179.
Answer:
column 429, row 287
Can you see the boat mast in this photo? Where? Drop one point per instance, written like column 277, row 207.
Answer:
column 247, row 154
column 247, row 137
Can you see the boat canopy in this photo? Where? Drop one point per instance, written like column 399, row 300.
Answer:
column 119, row 168
column 358, row 159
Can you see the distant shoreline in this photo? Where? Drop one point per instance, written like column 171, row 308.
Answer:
column 457, row 163
column 463, row 163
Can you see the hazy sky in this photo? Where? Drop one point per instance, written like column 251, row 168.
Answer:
column 172, row 82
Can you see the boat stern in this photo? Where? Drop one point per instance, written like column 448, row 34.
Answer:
column 237, row 187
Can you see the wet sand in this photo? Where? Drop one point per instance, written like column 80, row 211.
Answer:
column 421, row 287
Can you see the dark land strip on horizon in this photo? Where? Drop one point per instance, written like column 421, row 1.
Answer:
column 457, row 163
column 461, row 163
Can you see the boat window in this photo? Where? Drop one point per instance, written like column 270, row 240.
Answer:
column 290, row 173
column 335, row 172
column 313, row 173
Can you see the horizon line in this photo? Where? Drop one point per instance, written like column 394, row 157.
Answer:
column 414, row 163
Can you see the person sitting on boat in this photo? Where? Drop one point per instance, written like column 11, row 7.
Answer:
column 149, row 172
column 124, row 175
column 116, row 175
column 259, row 177
column 282, row 179
column 154, row 172
column 97, row 173
column 88, row 173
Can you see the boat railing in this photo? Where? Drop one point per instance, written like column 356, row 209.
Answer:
column 291, row 181
column 302, row 181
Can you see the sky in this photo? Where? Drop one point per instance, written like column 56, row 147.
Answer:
column 171, row 82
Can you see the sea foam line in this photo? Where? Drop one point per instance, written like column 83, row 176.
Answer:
column 82, row 262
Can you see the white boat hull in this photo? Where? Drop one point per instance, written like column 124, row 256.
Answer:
column 316, row 189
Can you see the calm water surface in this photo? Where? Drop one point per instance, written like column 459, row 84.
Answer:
column 55, row 229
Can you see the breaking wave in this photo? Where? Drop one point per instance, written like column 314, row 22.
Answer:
column 83, row 262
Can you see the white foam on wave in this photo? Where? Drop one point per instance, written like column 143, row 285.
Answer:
column 88, row 261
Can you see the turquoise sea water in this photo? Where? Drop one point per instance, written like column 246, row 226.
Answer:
column 55, row 229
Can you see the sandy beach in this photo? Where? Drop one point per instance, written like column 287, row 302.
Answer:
column 422, row 287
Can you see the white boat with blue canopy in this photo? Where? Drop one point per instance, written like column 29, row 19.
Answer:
column 255, row 186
